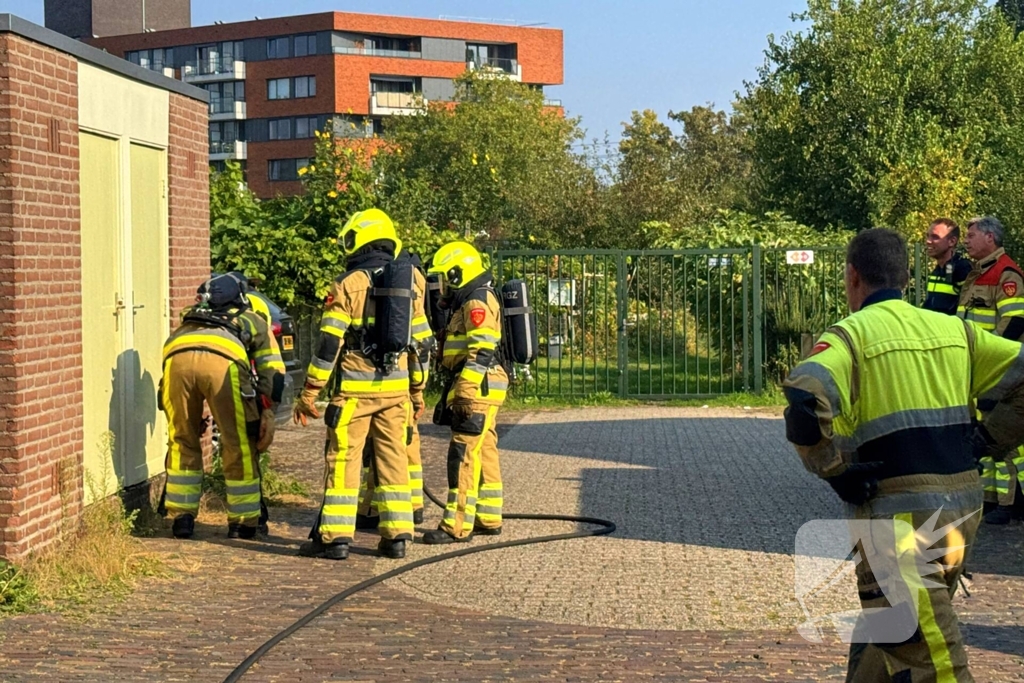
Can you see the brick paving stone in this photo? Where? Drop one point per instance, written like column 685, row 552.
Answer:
column 707, row 504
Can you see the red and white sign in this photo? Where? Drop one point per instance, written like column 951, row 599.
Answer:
column 476, row 316
column 799, row 258
column 1010, row 288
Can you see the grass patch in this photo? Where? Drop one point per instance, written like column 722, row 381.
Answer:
column 276, row 486
column 606, row 399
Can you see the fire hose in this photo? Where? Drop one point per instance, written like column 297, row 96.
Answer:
column 604, row 527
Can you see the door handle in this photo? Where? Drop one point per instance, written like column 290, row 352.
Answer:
column 137, row 308
column 118, row 307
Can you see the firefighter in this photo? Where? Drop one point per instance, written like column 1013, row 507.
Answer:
column 882, row 411
column 419, row 365
column 475, row 391
column 951, row 269
column 211, row 357
column 993, row 297
column 369, row 400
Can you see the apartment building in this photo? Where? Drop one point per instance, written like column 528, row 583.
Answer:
column 274, row 82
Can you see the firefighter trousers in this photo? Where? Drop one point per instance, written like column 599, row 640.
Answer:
column 190, row 377
column 368, row 505
column 474, row 474
column 351, row 419
column 909, row 632
column 1001, row 478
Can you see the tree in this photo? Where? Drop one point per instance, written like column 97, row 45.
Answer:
column 887, row 112
column 496, row 164
column 1013, row 10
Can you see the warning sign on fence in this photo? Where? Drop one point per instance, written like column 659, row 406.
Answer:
column 799, row 258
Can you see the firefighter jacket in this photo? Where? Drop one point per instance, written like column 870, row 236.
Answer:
column 256, row 351
column 471, row 345
column 993, row 296
column 348, row 314
column 945, row 283
column 894, row 384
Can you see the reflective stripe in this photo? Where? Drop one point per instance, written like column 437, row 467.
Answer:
column 907, row 554
column 488, row 510
column 335, row 323
column 819, row 372
column 480, row 335
column 374, row 375
column 318, row 374
column 1011, row 310
column 243, row 488
column 184, row 489
column 905, row 419
column 941, row 288
column 186, row 478
column 340, row 499
column 889, row 504
column 270, row 363
column 243, row 437
column 364, row 387
column 988, row 474
column 471, row 374
column 321, row 364
column 225, row 343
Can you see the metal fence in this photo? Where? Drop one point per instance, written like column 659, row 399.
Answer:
column 677, row 324
column 671, row 324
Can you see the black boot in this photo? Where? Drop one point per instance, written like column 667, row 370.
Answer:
column 261, row 527
column 417, row 516
column 395, row 549
column 442, row 537
column 331, row 551
column 485, row 531
column 236, row 530
column 1000, row 516
column 366, row 522
column 184, row 526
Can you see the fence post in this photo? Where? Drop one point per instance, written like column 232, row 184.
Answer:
column 622, row 304
column 756, row 256
column 746, row 336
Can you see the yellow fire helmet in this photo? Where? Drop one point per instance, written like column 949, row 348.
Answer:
column 365, row 227
column 458, row 262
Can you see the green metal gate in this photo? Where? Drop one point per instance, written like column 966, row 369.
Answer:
column 677, row 324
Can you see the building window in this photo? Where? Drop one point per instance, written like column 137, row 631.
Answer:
column 224, row 95
column 280, row 129
column 406, row 85
column 305, row 126
column 286, row 169
column 152, row 59
column 277, row 48
column 224, row 134
column 279, row 89
column 381, row 45
column 305, row 86
column 305, row 45
column 378, row 126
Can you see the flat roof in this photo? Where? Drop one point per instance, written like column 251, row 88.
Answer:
column 10, row 23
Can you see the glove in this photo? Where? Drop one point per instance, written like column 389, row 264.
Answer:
column 268, row 424
column 462, row 410
column 418, row 407
column 305, row 407
column 981, row 441
column 858, row 483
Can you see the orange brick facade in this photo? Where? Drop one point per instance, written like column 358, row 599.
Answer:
column 40, row 332
column 343, row 80
column 41, row 392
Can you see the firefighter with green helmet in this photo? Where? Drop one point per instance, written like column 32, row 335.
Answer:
column 882, row 411
column 361, row 342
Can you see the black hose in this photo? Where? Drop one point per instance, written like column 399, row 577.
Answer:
column 605, row 528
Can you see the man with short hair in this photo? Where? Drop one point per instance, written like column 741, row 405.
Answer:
column 951, row 269
column 881, row 410
column 993, row 297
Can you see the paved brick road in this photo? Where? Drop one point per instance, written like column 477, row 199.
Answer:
column 696, row 586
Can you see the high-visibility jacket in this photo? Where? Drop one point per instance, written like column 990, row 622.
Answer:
column 348, row 313
column 422, row 338
column 262, row 352
column 895, row 384
column 993, row 294
column 471, row 346
column 945, row 283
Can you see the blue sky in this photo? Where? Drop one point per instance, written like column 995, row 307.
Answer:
column 646, row 54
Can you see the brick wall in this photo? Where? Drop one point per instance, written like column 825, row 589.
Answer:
column 189, row 200
column 40, row 299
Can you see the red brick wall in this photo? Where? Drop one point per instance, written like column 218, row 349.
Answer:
column 40, row 295
column 189, row 200
column 262, row 152
column 257, row 106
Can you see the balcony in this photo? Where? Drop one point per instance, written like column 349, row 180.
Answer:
column 552, row 103
column 497, row 67
column 392, row 103
column 222, row 150
column 226, row 110
column 213, row 70
column 375, row 52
